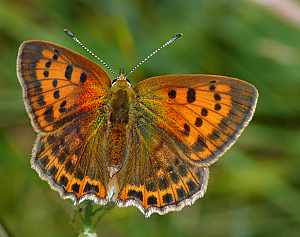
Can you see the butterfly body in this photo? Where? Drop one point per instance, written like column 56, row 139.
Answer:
column 122, row 97
column 148, row 145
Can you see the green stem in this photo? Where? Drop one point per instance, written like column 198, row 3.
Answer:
column 89, row 215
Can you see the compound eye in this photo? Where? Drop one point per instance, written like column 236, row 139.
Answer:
column 114, row 80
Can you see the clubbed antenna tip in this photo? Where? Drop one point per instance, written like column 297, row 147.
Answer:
column 168, row 42
column 74, row 37
column 69, row 33
column 178, row 35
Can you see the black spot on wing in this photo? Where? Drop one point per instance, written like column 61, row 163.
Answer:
column 54, row 83
column 46, row 73
column 83, row 77
column 204, row 112
column 62, row 107
column 69, row 166
column 217, row 97
column 212, row 87
column 62, row 157
column 135, row 194
column 48, row 114
column 191, row 95
column 55, row 149
column 180, row 193
column 36, row 84
column 199, row 145
column 167, row 198
column 48, row 64
column 218, row 107
column 192, row 186
column 174, row 177
column 90, row 188
column 41, row 100
column 163, row 183
column 69, row 71
column 215, row 135
column 52, row 171
column 63, row 181
column 56, row 54
column 198, row 122
column 56, row 94
column 152, row 200
column 79, row 175
column 43, row 162
column 75, row 187
column 186, row 129
column 172, row 94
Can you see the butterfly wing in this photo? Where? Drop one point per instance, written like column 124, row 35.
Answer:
column 154, row 177
column 180, row 125
column 58, row 83
column 74, row 158
column 202, row 114
column 66, row 97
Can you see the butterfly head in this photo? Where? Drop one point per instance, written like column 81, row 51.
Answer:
column 121, row 80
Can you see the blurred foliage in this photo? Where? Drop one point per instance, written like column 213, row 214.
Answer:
column 255, row 188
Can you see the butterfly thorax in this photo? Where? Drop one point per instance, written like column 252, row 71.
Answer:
column 121, row 98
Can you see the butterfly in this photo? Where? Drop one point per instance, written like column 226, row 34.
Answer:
column 148, row 146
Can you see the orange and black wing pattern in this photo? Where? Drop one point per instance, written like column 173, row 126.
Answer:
column 66, row 95
column 203, row 114
column 182, row 124
column 58, row 83
column 149, row 146
column 154, row 177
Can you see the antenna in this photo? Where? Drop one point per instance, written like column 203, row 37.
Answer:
column 74, row 37
column 168, row 42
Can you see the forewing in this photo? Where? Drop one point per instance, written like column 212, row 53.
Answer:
column 66, row 97
column 202, row 114
column 58, row 83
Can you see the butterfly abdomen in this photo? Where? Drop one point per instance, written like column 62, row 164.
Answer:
column 118, row 145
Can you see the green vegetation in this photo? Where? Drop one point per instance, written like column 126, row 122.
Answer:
column 254, row 190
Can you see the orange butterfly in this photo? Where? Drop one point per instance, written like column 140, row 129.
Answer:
column 147, row 146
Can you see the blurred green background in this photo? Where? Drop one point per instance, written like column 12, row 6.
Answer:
column 254, row 190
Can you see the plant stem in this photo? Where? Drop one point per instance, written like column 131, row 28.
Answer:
column 89, row 215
